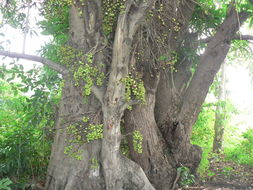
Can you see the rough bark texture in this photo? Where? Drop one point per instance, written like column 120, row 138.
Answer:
column 64, row 171
column 157, row 159
column 154, row 159
column 118, row 171
column 173, row 100
column 176, row 123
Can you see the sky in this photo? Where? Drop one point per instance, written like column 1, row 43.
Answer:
column 240, row 92
column 239, row 86
column 33, row 43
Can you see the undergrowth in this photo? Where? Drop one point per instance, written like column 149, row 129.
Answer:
column 237, row 148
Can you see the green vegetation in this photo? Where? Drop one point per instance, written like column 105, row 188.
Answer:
column 74, row 154
column 243, row 151
column 111, row 9
column 5, row 183
column 203, row 134
column 135, row 88
column 137, row 141
column 94, row 132
column 237, row 148
column 26, row 124
column 88, row 73
column 186, row 178
column 94, row 163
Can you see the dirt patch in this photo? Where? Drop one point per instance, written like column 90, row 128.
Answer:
column 226, row 175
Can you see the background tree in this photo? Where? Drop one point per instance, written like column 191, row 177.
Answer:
column 137, row 55
column 220, row 115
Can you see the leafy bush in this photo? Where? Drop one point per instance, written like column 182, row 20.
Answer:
column 186, row 178
column 203, row 132
column 23, row 148
column 26, row 125
column 5, row 183
column 243, row 152
column 202, row 135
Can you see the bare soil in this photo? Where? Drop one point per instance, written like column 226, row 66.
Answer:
column 226, row 175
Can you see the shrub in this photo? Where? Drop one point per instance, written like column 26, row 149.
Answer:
column 243, row 152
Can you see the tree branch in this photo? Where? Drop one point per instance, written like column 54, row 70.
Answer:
column 210, row 62
column 55, row 66
column 138, row 13
column 125, row 30
column 236, row 37
column 243, row 37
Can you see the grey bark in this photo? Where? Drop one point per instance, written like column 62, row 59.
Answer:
column 26, row 29
column 118, row 172
column 116, row 168
column 64, row 171
column 154, row 159
column 176, row 123
column 49, row 63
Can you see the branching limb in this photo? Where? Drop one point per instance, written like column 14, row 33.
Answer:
column 127, row 24
column 55, row 66
column 244, row 37
column 210, row 61
column 139, row 12
column 236, row 37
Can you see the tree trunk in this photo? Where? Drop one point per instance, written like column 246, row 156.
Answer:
column 177, row 114
column 166, row 145
column 155, row 158
column 173, row 86
column 220, row 117
column 120, row 172
column 76, row 164
column 66, row 171
column 173, row 100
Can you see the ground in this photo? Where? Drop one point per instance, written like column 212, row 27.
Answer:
column 222, row 175
column 226, row 175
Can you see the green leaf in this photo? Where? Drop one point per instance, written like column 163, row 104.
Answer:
column 4, row 184
column 163, row 58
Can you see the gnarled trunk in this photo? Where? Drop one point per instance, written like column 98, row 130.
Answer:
column 73, row 169
column 165, row 121
column 146, row 34
column 155, row 157
column 74, row 162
